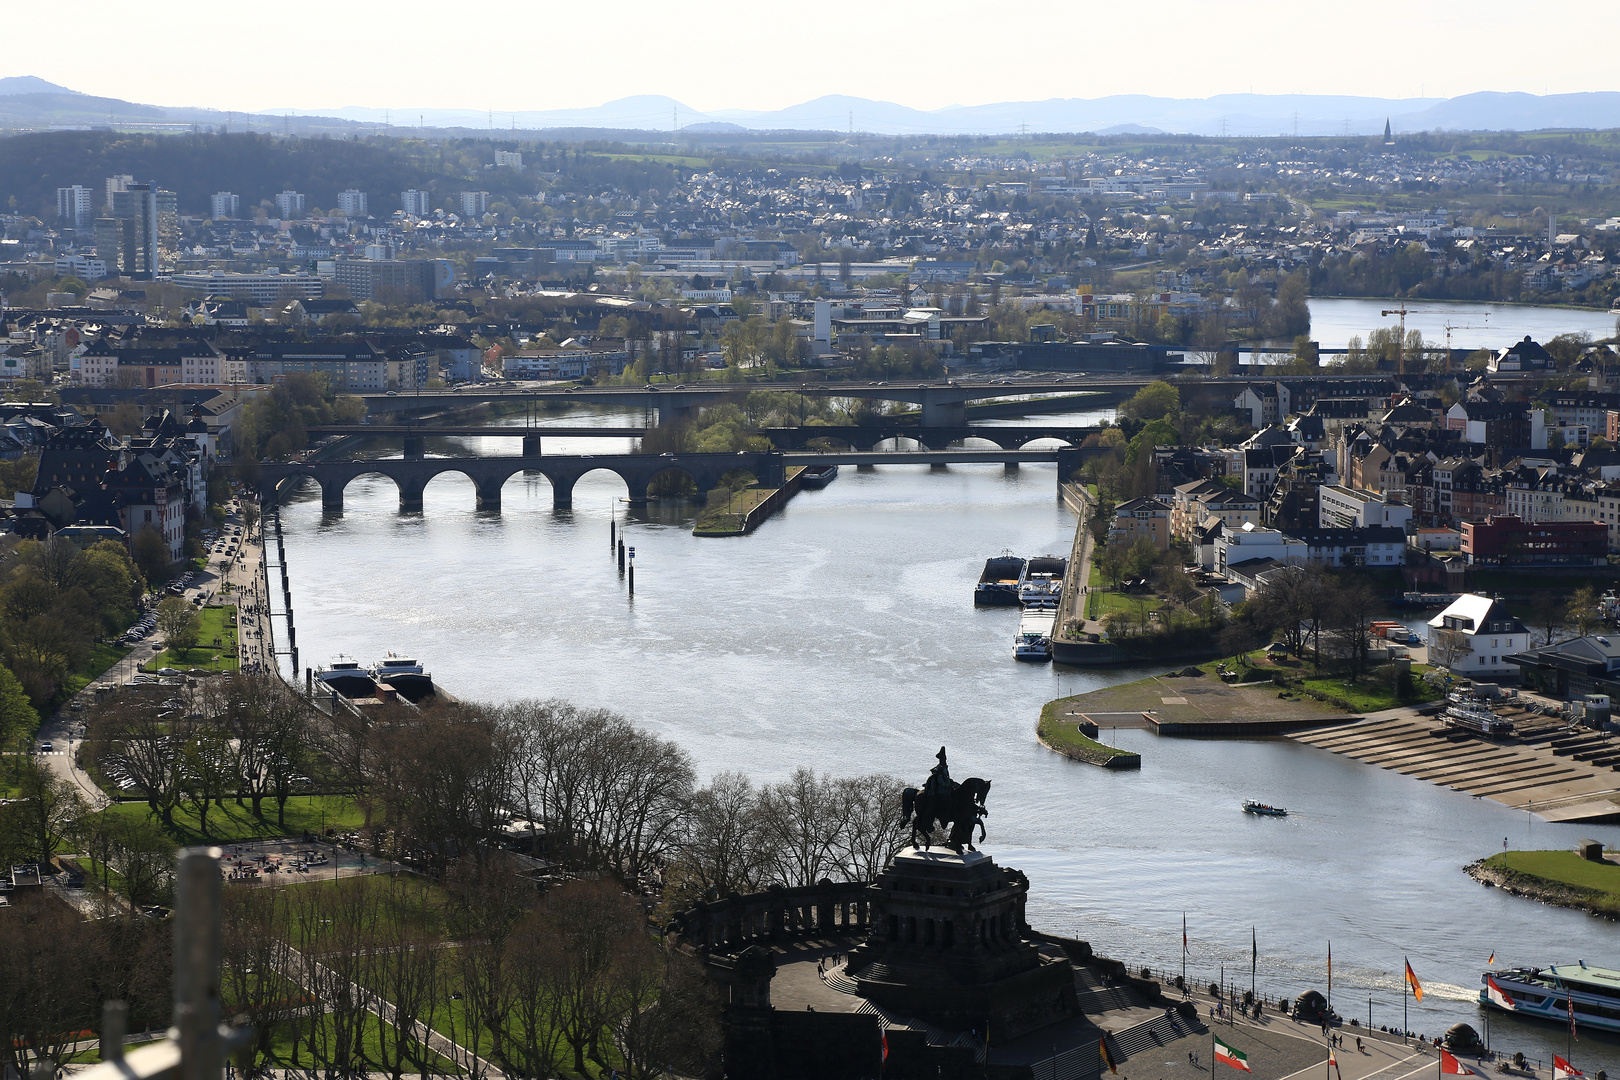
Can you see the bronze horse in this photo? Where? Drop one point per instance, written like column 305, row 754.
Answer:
column 961, row 809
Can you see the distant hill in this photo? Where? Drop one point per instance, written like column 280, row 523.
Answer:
column 30, row 84
column 28, row 101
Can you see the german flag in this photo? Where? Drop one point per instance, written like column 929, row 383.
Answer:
column 1107, row 1058
column 1412, row 980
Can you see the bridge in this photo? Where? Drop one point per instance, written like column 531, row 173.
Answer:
column 861, row 436
column 490, row 474
column 942, row 402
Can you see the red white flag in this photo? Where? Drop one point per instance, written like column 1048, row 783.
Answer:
column 1498, row 996
column 1333, row 1060
column 1563, row 1070
column 1450, row 1066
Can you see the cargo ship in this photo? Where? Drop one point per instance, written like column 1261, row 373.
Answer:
column 1043, row 582
column 998, row 585
column 1034, row 640
column 818, row 476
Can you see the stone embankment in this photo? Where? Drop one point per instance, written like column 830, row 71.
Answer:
column 1556, row 893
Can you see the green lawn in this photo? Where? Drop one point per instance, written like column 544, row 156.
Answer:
column 1060, row 734
column 218, row 625
column 1595, row 883
column 230, row 823
column 1368, row 696
column 282, row 1053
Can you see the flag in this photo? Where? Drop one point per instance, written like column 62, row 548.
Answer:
column 885, row 1035
column 1412, row 981
column 1235, row 1058
column 1450, row 1066
column 1333, row 1060
column 1563, row 1070
column 1569, row 999
column 1492, row 960
column 1497, row 995
column 1107, row 1058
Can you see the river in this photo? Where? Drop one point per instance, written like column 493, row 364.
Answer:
column 1474, row 325
column 842, row 635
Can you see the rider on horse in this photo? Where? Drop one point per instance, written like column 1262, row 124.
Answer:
column 939, row 783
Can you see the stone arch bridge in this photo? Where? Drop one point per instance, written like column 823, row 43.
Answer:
column 490, row 474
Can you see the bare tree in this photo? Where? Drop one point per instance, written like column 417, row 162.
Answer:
column 800, row 818
column 871, row 833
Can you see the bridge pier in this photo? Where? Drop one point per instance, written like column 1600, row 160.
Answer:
column 672, row 411
column 562, row 493
column 410, row 497
column 489, row 496
column 943, row 408
column 1011, row 466
column 331, row 499
column 415, row 447
column 531, row 446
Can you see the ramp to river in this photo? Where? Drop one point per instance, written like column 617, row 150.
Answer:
column 1551, row 770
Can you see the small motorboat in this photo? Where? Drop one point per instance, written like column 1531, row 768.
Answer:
column 1263, row 809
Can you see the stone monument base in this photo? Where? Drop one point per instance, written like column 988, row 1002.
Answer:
column 948, row 944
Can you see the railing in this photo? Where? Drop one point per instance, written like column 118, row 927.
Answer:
column 197, row 1043
column 731, row 923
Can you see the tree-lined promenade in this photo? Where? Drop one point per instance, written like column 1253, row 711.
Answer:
column 546, row 845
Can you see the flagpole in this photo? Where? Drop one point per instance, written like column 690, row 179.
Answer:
column 1183, row 952
column 1406, row 986
column 1330, row 978
column 1254, row 957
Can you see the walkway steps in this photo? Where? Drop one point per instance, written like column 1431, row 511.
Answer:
column 1549, row 765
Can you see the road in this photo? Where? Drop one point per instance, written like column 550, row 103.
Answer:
column 223, row 578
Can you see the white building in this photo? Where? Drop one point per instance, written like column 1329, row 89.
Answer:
column 1352, row 508
column 416, row 203
column 474, row 204
column 73, row 206
column 83, row 267
column 289, row 204
column 352, row 203
column 261, row 289
column 224, row 204
column 1251, row 542
column 1474, row 637
column 509, row 159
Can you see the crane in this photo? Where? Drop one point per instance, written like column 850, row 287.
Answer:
column 1403, row 311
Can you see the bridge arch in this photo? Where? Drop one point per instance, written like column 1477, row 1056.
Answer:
column 899, row 442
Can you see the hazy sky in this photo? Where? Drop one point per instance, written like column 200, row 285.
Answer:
column 541, row 54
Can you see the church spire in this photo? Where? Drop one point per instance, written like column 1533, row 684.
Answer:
column 1389, row 138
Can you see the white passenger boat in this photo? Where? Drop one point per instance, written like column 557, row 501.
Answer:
column 1546, row 994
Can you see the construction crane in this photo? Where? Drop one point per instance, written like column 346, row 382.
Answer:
column 1403, row 311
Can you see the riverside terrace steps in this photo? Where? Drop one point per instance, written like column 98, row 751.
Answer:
column 1527, row 773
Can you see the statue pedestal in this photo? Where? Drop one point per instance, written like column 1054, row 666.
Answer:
column 947, row 945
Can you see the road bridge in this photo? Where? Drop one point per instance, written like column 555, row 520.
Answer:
column 490, row 474
column 942, row 402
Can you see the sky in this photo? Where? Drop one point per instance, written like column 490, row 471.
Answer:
column 307, row 55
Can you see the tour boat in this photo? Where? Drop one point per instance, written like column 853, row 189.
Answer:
column 1546, row 993
column 405, row 675
column 1263, row 809
column 998, row 585
column 1034, row 640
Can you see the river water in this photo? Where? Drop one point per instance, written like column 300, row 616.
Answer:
column 842, row 635
column 1474, row 325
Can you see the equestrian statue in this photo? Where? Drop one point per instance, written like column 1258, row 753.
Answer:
column 945, row 804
